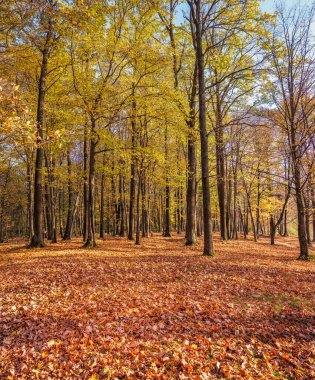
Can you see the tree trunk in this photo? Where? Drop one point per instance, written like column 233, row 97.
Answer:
column 102, row 207
column 37, row 239
column 145, row 230
column 228, row 208
column 29, row 199
column 235, row 219
column 1, row 222
column 258, row 206
column 272, row 230
column 301, row 220
column 138, row 210
column 68, row 230
column 167, row 227
column 85, row 184
column 90, row 239
column 220, row 164
column 313, row 213
column 132, row 169
column 252, row 219
column 60, row 204
column 52, row 191
column 121, row 205
column 285, row 223
column 299, row 197
column 114, row 208
column 47, row 209
column 307, row 218
column 191, row 196
column 207, row 230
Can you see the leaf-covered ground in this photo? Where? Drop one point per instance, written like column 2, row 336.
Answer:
column 159, row 311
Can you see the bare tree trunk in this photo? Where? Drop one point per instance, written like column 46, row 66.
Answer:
column 299, row 199
column 52, row 196
column 167, row 226
column 132, row 169
column 68, row 230
column 301, row 219
column 313, row 213
column 47, row 209
column 29, row 199
column 37, row 239
column 197, row 33
column 228, row 208
column 258, row 206
column 1, row 222
column 60, row 206
column 138, row 210
column 114, row 208
column 220, row 164
column 307, row 218
column 121, row 205
column 85, row 184
column 235, row 219
column 145, row 230
column 191, row 197
column 90, row 239
column 272, row 230
column 102, row 206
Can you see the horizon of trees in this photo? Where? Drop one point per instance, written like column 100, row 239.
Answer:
column 116, row 118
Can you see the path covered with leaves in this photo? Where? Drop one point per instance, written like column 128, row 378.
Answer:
column 159, row 311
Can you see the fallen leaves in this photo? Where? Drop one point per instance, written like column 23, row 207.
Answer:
column 159, row 311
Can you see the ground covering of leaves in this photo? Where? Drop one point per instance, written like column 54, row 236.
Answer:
column 159, row 311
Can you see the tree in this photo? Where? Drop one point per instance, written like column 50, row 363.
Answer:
column 45, row 37
column 292, row 60
column 198, row 17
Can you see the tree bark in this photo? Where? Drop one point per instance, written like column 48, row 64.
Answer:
column 138, row 210
column 313, row 213
column 121, row 205
column 299, row 196
column 102, row 206
column 167, row 217
column 29, row 199
column 191, row 195
column 47, row 209
column 307, row 218
column 272, row 230
column 145, row 229
column 132, row 169
column 37, row 240
column 85, row 184
column 220, row 167
column 207, row 230
column 90, row 238
column 68, row 230
column 52, row 195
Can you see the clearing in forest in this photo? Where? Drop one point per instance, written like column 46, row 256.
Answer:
column 157, row 311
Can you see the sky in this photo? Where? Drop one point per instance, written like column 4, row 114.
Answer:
column 268, row 5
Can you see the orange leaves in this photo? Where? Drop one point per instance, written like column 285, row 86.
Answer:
column 94, row 377
column 163, row 313
column 52, row 343
column 159, row 326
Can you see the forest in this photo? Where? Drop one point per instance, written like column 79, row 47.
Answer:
column 157, row 189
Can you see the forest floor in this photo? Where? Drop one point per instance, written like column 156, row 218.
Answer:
column 158, row 311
